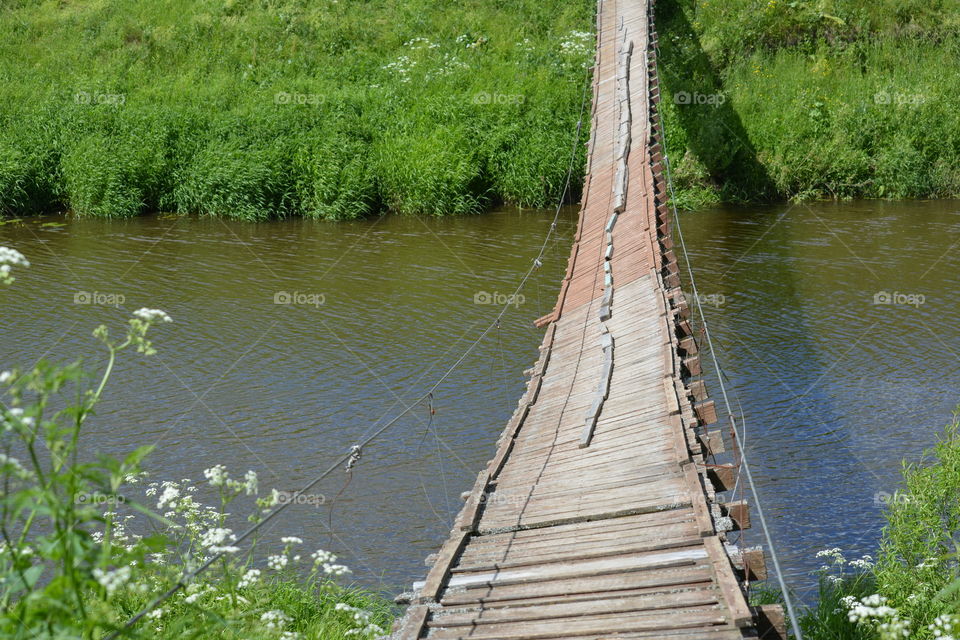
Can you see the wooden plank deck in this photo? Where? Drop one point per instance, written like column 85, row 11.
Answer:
column 596, row 518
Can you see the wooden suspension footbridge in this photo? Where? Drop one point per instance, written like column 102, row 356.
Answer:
column 598, row 516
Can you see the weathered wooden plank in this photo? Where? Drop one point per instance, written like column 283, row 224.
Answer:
column 430, row 591
column 723, row 476
column 771, row 622
column 414, row 623
column 704, row 521
column 598, row 624
column 733, row 597
column 739, row 512
column 467, row 519
column 625, row 604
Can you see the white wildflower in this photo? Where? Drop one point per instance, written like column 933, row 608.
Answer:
column 335, row 569
column 156, row 613
column 225, row 549
column 217, row 475
column 169, row 495
column 834, row 554
column 152, row 315
column 196, row 591
column 215, row 538
column 362, row 619
column 274, row 619
column 252, row 576
column 321, row 557
column 277, row 562
column 9, row 258
column 112, row 580
column 291, row 540
column 5, row 377
column 250, row 482
column 873, row 611
column 946, row 626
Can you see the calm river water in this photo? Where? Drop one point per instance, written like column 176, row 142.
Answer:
column 837, row 389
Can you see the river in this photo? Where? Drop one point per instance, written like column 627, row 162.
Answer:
column 292, row 339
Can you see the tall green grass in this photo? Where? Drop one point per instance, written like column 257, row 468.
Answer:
column 274, row 108
column 826, row 98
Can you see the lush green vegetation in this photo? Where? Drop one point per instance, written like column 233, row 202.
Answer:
column 912, row 589
column 269, row 108
column 84, row 546
column 811, row 98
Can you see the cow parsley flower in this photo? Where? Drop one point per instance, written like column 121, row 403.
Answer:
column 216, row 475
column 112, row 580
column 8, row 259
column 169, row 496
column 277, row 562
column 152, row 315
column 274, row 619
column 252, row 576
column 195, row 592
column 873, row 611
column 945, row 627
column 835, row 554
column 320, row 557
column 250, row 482
column 214, row 539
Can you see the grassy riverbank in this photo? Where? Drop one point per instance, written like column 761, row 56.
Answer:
column 338, row 110
column 263, row 109
column 812, row 98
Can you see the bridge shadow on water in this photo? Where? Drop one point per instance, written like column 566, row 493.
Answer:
column 713, row 130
